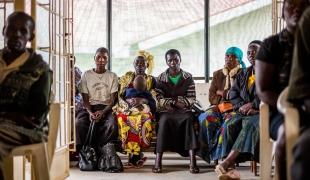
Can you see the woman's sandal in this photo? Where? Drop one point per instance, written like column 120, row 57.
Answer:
column 230, row 174
column 194, row 169
column 157, row 169
column 219, row 170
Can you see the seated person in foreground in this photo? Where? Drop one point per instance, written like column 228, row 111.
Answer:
column 299, row 95
column 25, row 88
column 273, row 68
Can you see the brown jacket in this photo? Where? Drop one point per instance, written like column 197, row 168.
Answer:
column 218, row 83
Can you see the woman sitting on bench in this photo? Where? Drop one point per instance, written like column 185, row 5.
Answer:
column 134, row 120
column 176, row 94
column 241, row 133
column 213, row 121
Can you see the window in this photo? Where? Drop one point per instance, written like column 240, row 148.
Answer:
column 156, row 26
column 89, row 30
column 6, row 8
column 237, row 23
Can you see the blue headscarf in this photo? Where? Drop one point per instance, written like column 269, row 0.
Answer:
column 238, row 53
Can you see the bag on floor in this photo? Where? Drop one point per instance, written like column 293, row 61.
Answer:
column 88, row 158
column 109, row 160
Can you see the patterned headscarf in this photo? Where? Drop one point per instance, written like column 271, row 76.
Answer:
column 238, row 53
column 149, row 58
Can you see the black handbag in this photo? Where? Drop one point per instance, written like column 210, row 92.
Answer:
column 88, row 157
column 110, row 161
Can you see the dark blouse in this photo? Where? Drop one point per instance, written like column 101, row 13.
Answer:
column 278, row 50
column 168, row 93
column 239, row 93
column 299, row 88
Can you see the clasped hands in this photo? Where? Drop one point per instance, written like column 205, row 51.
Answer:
column 137, row 103
column 97, row 115
column 247, row 109
column 175, row 105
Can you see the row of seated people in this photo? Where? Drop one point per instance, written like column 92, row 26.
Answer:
column 169, row 97
column 273, row 68
column 174, row 92
column 280, row 62
column 229, row 129
column 25, row 86
column 140, row 97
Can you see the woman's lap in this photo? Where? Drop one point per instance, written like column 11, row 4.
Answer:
column 245, row 138
column 211, row 129
column 135, row 131
column 176, row 133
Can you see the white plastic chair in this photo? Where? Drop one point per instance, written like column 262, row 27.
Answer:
column 291, row 121
column 41, row 154
column 266, row 144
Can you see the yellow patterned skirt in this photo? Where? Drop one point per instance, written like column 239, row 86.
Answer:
column 135, row 131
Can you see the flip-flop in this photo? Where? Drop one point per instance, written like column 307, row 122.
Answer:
column 230, row 175
column 219, row 170
column 233, row 166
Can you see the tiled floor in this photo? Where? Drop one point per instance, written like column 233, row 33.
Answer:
column 174, row 168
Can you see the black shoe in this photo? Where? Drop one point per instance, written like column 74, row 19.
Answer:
column 194, row 169
column 157, row 169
